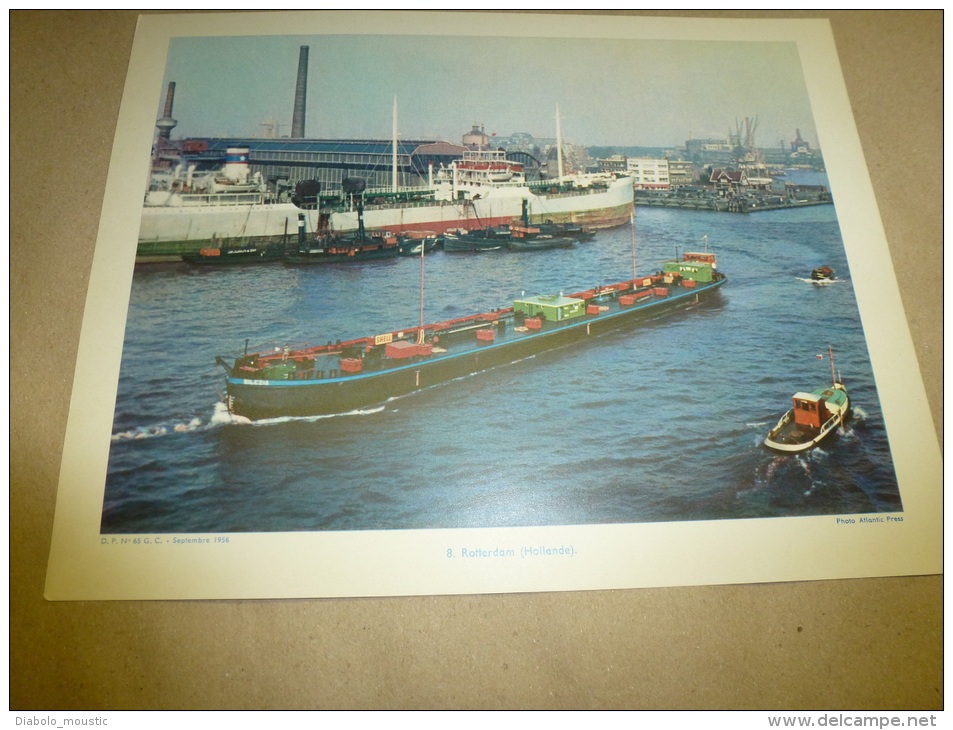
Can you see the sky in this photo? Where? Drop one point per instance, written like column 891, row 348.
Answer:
column 609, row 91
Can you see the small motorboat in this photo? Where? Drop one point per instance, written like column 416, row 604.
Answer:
column 410, row 243
column 572, row 230
column 241, row 253
column 492, row 238
column 813, row 417
column 822, row 273
column 533, row 238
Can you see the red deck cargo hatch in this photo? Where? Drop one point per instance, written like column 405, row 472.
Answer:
column 404, row 349
column 351, row 364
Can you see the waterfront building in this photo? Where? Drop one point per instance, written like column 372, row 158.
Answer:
column 648, row 173
column 477, row 138
column 681, row 173
column 284, row 162
column 710, row 151
column 728, row 182
column 616, row 163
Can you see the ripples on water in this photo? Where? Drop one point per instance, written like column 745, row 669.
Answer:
column 660, row 423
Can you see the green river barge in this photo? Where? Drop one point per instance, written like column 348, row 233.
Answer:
column 344, row 376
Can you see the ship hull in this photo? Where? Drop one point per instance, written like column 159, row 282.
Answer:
column 262, row 399
column 784, row 438
column 217, row 257
column 312, row 258
column 169, row 232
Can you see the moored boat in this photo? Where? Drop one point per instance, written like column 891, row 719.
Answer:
column 344, row 376
column 574, row 231
column 813, row 417
column 550, row 230
column 327, row 247
column 343, row 249
column 225, row 254
column 533, row 238
column 410, row 243
column 491, row 238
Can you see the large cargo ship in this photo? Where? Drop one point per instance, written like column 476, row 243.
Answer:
column 184, row 212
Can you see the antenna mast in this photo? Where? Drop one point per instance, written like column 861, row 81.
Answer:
column 421, row 337
column 394, row 160
column 632, row 221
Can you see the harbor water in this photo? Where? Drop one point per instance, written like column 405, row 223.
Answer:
column 661, row 422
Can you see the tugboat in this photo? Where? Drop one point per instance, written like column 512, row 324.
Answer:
column 822, row 273
column 328, row 247
column 543, row 236
column 533, row 238
column 226, row 254
column 813, row 417
column 575, row 231
column 339, row 248
column 344, row 376
column 540, row 236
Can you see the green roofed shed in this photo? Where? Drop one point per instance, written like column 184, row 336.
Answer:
column 697, row 270
column 551, row 307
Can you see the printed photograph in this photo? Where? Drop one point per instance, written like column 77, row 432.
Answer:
column 437, row 282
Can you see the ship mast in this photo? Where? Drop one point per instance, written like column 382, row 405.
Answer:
column 394, row 160
column 632, row 221
column 420, row 333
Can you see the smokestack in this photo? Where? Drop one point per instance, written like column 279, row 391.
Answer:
column 169, row 97
column 167, row 123
column 301, row 95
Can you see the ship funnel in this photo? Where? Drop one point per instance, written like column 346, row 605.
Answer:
column 166, row 124
column 301, row 95
column 355, row 186
column 302, row 247
column 236, row 164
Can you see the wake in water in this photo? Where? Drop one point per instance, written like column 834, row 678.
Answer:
column 822, row 282
column 224, row 418
column 785, row 469
column 160, row 429
column 220, row 417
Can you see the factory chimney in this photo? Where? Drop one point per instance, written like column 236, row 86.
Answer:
column 301, row 95
column 166, row 124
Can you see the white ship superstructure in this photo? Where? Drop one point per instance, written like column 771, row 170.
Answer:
column 481, row 189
